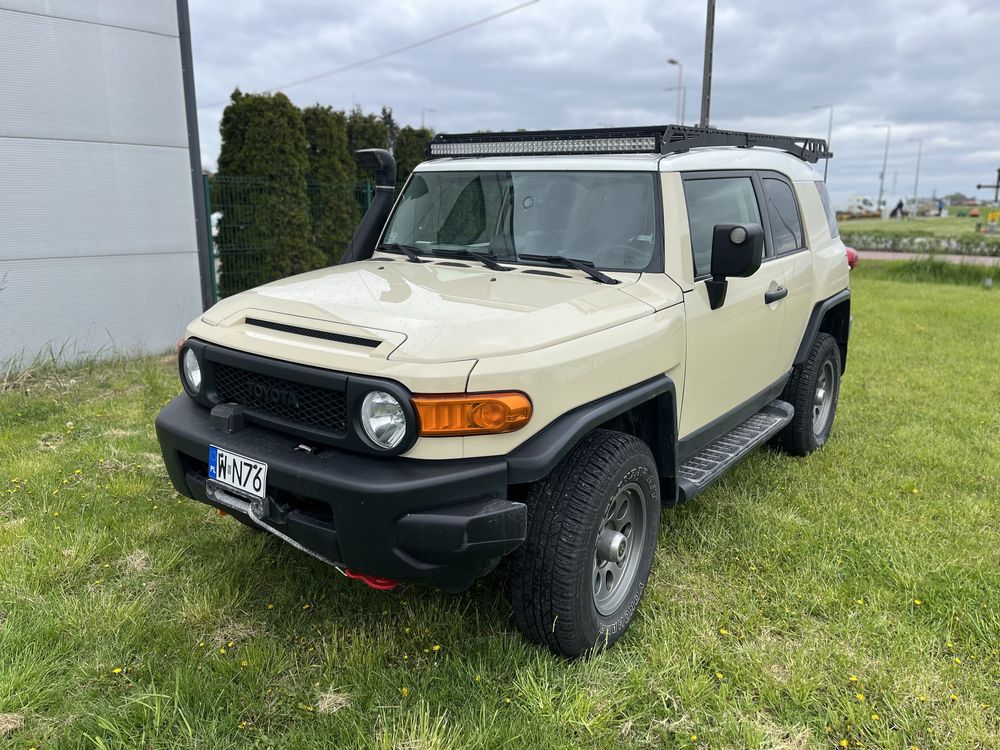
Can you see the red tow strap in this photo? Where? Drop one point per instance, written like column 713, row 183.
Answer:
column 382, row 584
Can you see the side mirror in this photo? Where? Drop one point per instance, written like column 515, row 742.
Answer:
column 737, row 250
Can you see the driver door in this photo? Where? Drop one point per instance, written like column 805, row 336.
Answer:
column 735, row 353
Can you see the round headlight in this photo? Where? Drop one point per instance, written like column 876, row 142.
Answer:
column 383, row 419
column 192, row 371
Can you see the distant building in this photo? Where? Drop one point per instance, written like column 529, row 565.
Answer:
column 99, row 244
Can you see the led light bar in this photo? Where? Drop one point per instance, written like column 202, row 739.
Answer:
column 548, row 146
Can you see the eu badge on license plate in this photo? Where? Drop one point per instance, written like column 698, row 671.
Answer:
column 245, row 475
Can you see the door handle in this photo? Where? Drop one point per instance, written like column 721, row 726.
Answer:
column 779, row 293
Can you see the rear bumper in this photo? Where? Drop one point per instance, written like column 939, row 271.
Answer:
column 446, row 522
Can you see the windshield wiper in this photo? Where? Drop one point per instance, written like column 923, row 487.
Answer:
column 580, row 265
column 464, row 252
column 410, row 251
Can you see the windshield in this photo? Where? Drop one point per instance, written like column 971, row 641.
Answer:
column 604, row 218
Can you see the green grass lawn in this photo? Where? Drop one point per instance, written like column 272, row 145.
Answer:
column 850, row 597
column 933, row 226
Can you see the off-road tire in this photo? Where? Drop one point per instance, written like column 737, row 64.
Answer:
column 552, row 573
column 799, row 437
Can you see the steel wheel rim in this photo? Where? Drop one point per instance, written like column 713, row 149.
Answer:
column 611, row 580
column 823, row 398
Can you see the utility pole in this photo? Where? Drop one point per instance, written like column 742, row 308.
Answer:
column 706, row 81
column 881, row 175
column 829, row 137
column 995, row 188
column 681, row 93
column 423, row 112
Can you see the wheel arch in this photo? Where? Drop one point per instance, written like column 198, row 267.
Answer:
column 647, row 410
column 832, row 316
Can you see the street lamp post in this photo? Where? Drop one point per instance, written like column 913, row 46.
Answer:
column 681, row 92
column 881, row 175
column 916, row 176
column 829, row 136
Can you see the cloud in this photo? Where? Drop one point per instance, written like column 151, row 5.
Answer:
column 928, row 68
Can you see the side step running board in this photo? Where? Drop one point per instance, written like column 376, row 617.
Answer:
column 700, row 469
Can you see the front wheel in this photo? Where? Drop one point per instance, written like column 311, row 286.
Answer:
column 814, row 390
column 592, row 525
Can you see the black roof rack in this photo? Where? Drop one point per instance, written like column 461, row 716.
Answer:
column 654, row 139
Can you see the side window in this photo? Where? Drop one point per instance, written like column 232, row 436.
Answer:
column 783, row 213
column 718, row 200
column 831, row 215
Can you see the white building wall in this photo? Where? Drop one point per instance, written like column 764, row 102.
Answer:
column 98, row 246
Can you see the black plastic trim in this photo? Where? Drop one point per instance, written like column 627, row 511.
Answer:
column 815, row 323
column 313, row 333
column 539, row 455
column 722, row 425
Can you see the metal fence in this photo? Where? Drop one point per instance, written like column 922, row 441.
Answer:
column 237, row 235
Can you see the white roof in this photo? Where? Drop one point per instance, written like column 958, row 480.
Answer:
column 695, row 160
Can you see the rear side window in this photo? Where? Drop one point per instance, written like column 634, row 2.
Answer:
column 831, row 215
column 720, row 200
column 783, row 213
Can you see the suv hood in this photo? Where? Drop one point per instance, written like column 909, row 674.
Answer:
column 439, row 311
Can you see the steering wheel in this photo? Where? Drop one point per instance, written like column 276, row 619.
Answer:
column 598, row 256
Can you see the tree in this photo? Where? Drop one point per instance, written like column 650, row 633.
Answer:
column 334, row 209
column 956, row 199
column 264, row 231
column 411, row 149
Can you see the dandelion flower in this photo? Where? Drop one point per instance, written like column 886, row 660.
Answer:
column 853, row 678
column 270, row 606
column 436, row 647
column 477, row 678
column 405, row 691
column 958, row 660
column 116, row 670
column 694, row 738
column 723, row 631
column 954, row 697
column 306, row 605
column 922, row 698
column 844, row 742
column 506, row 700
column 244, row 663
column 719, row 675
column 918, row 602
column 860, row 697
column 222, row 650
column 875, row 717
column 201, row 644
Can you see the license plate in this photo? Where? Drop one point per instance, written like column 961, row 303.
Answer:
column 246, row 476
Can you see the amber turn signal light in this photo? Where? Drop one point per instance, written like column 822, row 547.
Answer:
column 472, row 413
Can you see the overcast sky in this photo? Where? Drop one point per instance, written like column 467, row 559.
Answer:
column 931, row 69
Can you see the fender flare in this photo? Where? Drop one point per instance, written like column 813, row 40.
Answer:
column 536, row 457
column 815, row 325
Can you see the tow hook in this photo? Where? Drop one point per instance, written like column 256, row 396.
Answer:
column 381, row 584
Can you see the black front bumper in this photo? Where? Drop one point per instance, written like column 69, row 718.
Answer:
column 447, row 522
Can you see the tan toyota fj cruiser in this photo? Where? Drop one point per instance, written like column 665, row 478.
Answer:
column 549, row 336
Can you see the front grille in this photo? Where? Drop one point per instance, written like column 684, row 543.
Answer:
column 282, row 399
